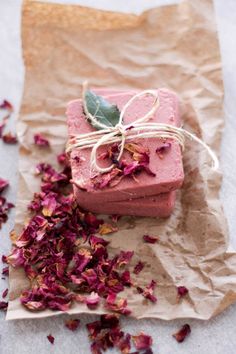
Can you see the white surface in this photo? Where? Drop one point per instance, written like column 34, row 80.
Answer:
column 25, row 337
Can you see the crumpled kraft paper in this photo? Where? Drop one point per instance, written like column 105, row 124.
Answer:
column 175, row 47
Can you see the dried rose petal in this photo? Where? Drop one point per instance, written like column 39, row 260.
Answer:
column 92, row 300
column 182, row 291
column 105, row 229
column 109, row 321
column 3, row 305
column 150, row 239
column 182, row 333
column 139, row 267
column 148, row 291
column 4, row 259
column 92, row 221
column 125, row 278
column 95, row 348
column 142, row 341
column 51, row 339
column 41, row 141
column 6, row 105
column 49, row 205
column 124, row 344
column 9, row 138
column 161, row 150
column 4, row 294
column 72, row 324
column 94, row 328
column 63, row 159
column 124, row 258
column 115, row 305
column 3, row 184
column 5, row 271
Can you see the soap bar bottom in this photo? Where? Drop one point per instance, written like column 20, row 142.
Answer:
column 161, row 205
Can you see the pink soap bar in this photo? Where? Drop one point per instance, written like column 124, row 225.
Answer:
column 169, row 170
column 161, row 206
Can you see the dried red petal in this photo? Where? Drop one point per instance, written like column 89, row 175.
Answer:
column 115, row 305
column 49, row 205
column 148, row 291
column 139, row 267
column 124, row 344
column 6, row 105
column 4, row 294
column 3, row 184
column 72, row 324
column 51, row 339
column 92, row 301
column 92, row 221
column 9, row 138
column 125, row 278
column 142, row 341
column 96, row 348
column 5, row 271
column 63, row 159
column 182, row 291
column 182, row 333
column 4, row 259
column 163, row 149
column 109, row 321
column 124, row 258
column 94, row 328
column 106, row 229
column 150, row 239
column 41, row 141
column 3, row 305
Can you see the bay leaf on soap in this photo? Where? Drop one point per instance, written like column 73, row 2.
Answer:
column 103, row 111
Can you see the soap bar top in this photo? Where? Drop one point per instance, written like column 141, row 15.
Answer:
column 168, row 169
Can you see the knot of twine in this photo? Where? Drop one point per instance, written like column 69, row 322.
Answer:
column 140, row 128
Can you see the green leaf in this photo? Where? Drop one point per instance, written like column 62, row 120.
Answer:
column 104, row 112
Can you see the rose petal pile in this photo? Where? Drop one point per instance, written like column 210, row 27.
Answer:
column 63, row 254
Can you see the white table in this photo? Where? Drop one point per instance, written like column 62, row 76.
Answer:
column 26, row 337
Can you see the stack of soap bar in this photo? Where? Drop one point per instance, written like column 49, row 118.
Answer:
column 146, row 195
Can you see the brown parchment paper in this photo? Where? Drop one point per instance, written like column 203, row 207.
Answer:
column 175, row 47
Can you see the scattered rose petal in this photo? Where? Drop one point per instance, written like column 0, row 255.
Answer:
column 182, row 333
column 3, row 305
column 96, row 348
column 124, row 258
column 142, row 341
column 6, row 105
column 150, row 239
column 148, row 291
column 4, row 259
column 9, row 138
column 117, row 305
column 92, row 301
column 51, row 339
column 72, row 324
column 5, row 271
column 106, row 229
column 109, row 321
column 4, row 294
column 63, row 159
column 3, row 184
column 182, row 291
column 124, row 344
column 161, row 150
column 139, row 267
column 41, row 141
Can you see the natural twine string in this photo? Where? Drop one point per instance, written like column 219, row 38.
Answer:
column 141, row 128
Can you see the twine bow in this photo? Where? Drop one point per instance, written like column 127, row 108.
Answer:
column 141, row 128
